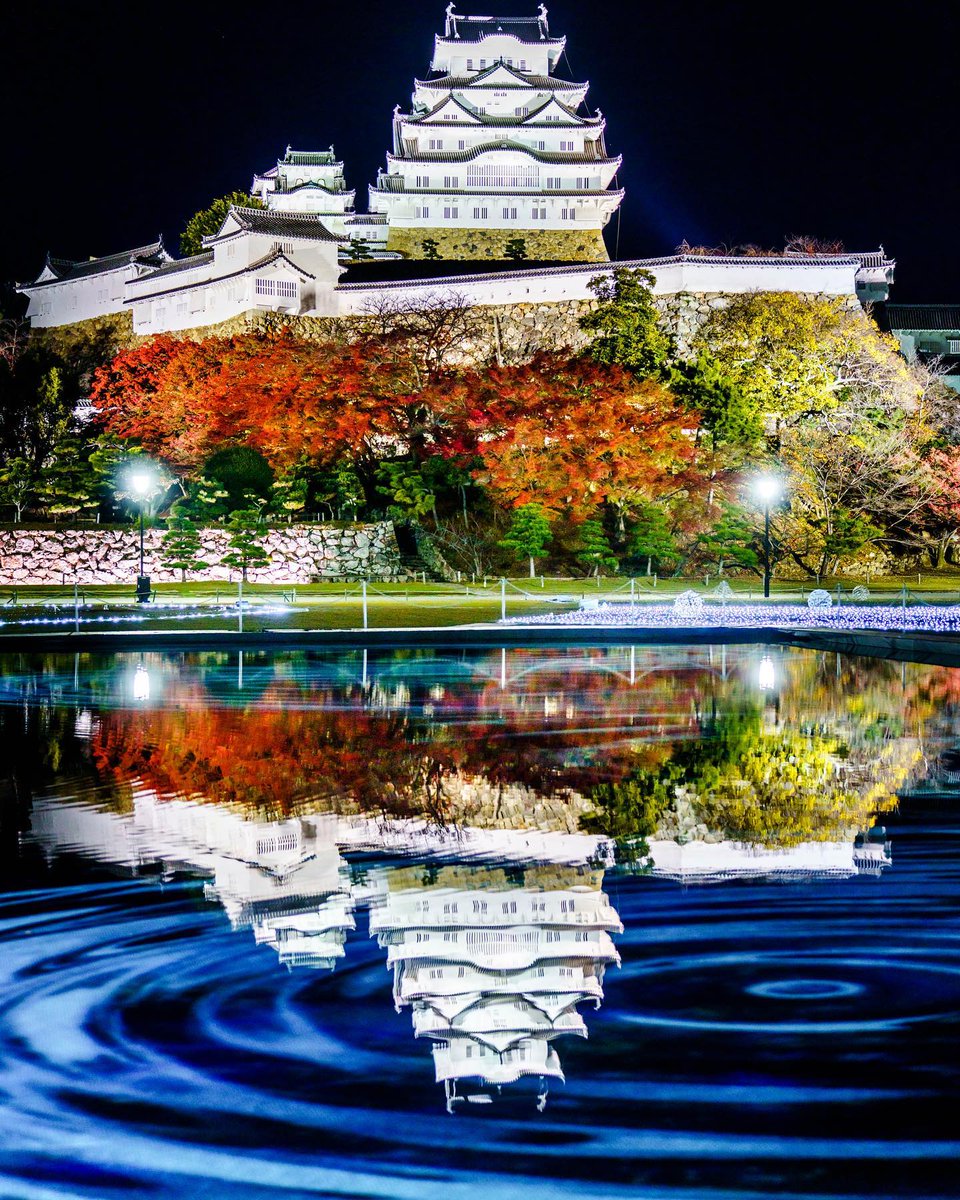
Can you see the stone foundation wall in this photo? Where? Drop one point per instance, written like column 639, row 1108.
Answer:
column 543, row 245
column 298, row 553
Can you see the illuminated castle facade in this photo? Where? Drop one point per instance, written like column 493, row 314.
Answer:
column 497, row 145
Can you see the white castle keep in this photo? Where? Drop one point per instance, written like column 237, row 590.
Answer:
column 497, row 158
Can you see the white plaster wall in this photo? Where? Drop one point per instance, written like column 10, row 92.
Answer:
column 571, row 283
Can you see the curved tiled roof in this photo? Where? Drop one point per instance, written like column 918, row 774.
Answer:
column 545, row 156
column 280, row 224
column 945, row 317
column 267, row 259
column 523, row 80
column 507, row 121
column 65, row 269
column 746, row 261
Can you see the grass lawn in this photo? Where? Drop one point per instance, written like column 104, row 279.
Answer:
column 403, row 605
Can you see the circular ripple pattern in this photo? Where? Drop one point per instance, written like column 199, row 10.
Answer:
column 149, row 1049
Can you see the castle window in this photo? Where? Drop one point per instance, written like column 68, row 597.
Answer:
column 522, row 110
column 568, row 214
column 469, row 64
column 451, row 181
column 423, row 181
column 451, row 212
column 480, row 214
column 502, row 175
column 421, row 211
column 436, row 143
column 483, row 64
column 462, row 144
column 553, row 183
column 538, row 214
column 953, row 345
column 566, row 146
column 541, row 145
column 509, row 214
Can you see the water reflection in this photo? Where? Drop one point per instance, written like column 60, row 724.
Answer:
column 477, row 838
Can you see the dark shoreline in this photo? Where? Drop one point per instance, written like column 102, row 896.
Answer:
column 906, row 647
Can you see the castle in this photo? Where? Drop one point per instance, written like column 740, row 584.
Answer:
column 498, row 158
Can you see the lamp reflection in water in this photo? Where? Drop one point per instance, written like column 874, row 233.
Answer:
column 767, row 675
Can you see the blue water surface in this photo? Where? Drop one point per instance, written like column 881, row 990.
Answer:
column 782, row 1022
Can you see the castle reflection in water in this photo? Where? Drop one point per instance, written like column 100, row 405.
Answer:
column 472, row 804
column 496, row 939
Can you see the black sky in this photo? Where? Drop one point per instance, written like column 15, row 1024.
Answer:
column 737, row 122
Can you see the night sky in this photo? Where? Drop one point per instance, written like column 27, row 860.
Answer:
column 737, row 123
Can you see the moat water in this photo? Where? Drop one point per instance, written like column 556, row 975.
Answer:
column 651, row 922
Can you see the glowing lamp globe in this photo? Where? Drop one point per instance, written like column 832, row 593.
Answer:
column 767, row 488
column 767, row 676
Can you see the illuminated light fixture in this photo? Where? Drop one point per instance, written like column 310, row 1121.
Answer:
column 767, row 489
column 141, row 683
column 140, row 480
column 766, row 676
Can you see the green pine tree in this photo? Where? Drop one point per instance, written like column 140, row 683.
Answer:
column 430, row 248
column 246, row 550
column 209, row 220
column 516, row 248
column 650, row 536
column 17, row 484
column 626, row 324
column 731, row 538
column 181, row 548
column 595, row 551
column 359, row 250
column 529, row 534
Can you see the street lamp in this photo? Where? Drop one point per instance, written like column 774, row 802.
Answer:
column 768, row 490
column 140, row 482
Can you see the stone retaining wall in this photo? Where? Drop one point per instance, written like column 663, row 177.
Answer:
column 298, row 553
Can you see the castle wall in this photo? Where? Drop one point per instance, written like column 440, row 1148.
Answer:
column 299, row 554
column 464, row 244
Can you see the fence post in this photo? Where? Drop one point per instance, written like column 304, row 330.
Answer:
column 240, row 605
column 503, row 599
column 838, row 596
column 633, row 590
column 363, row 588
column 903, row 598
column 76, row 609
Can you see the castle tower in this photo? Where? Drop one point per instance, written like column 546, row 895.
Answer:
column 497, row 146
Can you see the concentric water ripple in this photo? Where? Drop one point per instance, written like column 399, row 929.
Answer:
column 149, row 1049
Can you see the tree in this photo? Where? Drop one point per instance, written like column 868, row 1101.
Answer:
column 404, row 484
column 242, row 473
column 571, row 434
column 626, row 324
column 340, row 489
column 729, row 539
column 181, row 547
column 246, row 550
column 732, row 419
column 650, row 536
column 430, row 249
column 516, row 248
column 209, row 220
column 529, row 534
column 359, row 250
column 595, row 551
column 17, row 483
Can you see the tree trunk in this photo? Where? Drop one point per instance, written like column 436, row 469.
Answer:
column 533, row 571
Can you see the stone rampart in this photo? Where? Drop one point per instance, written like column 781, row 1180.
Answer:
column 545, row 245
column 298, row 554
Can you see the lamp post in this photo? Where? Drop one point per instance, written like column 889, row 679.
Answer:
column 140, row 483
column 768, row 490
